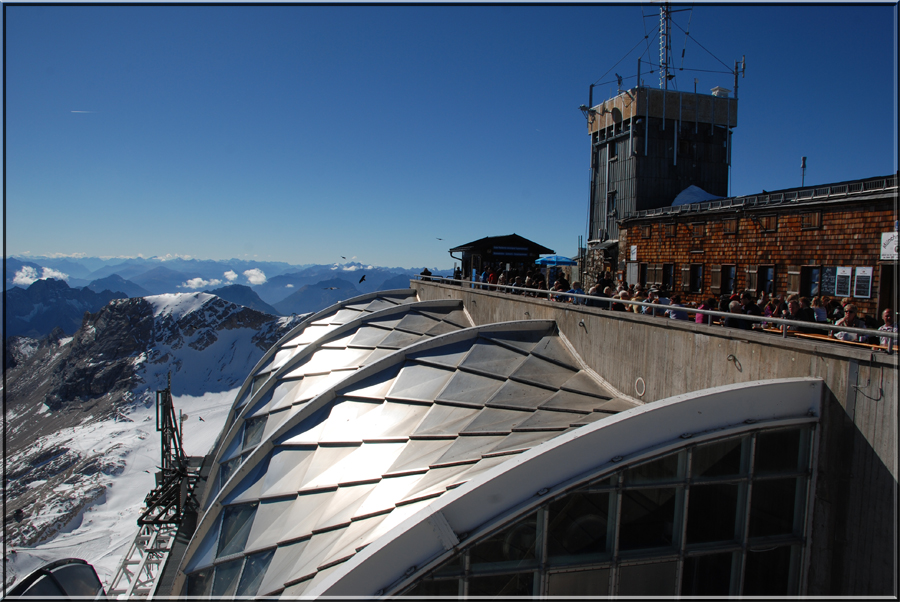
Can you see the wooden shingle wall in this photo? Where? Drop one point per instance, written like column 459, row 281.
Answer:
column 849, row 236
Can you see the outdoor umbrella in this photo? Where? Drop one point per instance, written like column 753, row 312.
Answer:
column 555, row 260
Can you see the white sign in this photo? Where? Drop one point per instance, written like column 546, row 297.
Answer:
column 633, row 256
column 889, row 246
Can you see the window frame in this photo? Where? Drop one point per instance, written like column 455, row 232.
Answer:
column 817, row 220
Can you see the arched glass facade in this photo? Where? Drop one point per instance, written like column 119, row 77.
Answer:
column 720, row 517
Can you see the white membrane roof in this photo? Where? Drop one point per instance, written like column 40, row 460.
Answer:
column 338, row 465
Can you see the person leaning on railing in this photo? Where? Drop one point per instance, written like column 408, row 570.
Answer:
column 852, row 320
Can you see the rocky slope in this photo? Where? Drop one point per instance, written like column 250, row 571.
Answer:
column 64, row 392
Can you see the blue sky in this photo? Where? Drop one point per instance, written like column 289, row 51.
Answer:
column 307, row 133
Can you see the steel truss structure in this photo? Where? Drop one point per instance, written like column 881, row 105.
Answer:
column 165, row 506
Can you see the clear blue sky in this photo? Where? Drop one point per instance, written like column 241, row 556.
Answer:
column 304, row 133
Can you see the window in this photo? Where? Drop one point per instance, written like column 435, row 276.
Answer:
column 768, row 223
column 811, row 221
column 740, row 531
column 765, row 279
column 647, row 231
column 722, row 279
column 692, row 278
column 613, row 151
column 670, row 230
column 668, row 276
column 729, row 226
column 611, row 203
column 642, row 276
column 810, row 280
column 698, row 230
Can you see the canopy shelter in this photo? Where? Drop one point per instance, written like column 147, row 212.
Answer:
column 498, row 251
column 555, row 260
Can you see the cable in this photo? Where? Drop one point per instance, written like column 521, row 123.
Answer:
column 700, row 45
column 619, row 61
column 686, row 34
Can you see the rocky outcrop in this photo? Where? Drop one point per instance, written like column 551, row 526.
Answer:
column 62, row 389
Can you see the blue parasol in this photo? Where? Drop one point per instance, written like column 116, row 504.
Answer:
column 555, row 260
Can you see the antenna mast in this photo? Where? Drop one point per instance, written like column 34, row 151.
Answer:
column 665, row 44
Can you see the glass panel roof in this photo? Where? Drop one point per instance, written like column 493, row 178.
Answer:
column 582, row 382
column 519, row 396
column 416, row 322
column 398, row 339
column 313, row 553
column 268, row 525
column 469, row 448
column 419, row 454
column 279, row 567
column 553, row 349
column 496, row 421
column 421, row 421
column 543, row 372
column 369, row 336
column 469, row 388
column 445, row 420
column 420, row 382
column 493, row 359
column 286, row 470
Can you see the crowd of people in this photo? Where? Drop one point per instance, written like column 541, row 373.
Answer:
column 609, row 295
column 662, row 303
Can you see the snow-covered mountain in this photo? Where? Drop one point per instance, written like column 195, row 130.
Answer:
column 81, row 441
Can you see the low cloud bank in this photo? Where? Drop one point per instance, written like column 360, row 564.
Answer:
column 231, row 276
column 28, row 275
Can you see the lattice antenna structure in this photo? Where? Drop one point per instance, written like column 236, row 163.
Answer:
column 665, row 46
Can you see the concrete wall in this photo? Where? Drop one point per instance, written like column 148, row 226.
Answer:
column 853, row 536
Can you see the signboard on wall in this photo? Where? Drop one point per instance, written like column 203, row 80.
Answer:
column 829, row 280
column 842, row 282
column 889, row 244
column 862, row 286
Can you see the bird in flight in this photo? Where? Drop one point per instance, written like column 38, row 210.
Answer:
column 342, row 257
column 361, row 279
column 440, row 239
column 331, row 288
column 201, row 418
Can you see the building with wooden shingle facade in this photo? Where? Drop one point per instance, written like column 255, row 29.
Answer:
column 837, row 240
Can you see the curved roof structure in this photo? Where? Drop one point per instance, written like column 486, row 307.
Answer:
column 562, row 465
column 319, row 353
column 366, row 443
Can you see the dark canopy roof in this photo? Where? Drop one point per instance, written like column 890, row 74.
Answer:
column 511, row 245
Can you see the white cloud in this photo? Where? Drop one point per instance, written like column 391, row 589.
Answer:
column 288, row 286
column 231, row 275
column 51, row 273
column 255, row 276
column 196, row 283
column 28, row 275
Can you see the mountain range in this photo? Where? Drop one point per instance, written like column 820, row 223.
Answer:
column 43, row 294
column 80, row 411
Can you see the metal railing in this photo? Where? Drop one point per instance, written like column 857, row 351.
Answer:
column 775, row 198
column 657, row 307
